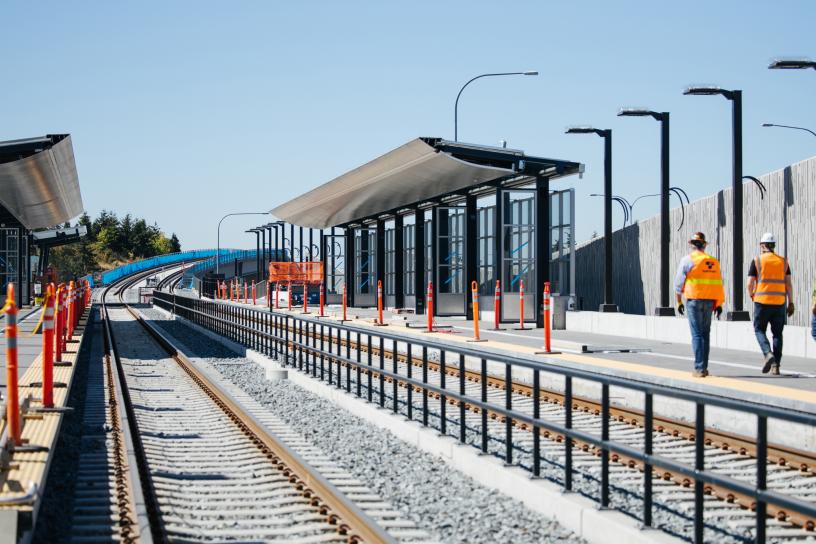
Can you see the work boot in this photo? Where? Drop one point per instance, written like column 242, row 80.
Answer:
column 775, row 369
column 770, row 360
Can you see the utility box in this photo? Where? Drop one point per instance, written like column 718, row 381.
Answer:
column 559, row 312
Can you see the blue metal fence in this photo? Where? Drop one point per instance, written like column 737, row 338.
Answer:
column 160, row 260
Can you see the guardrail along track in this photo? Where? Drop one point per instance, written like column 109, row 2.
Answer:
column 485, row 403
column 211, row 469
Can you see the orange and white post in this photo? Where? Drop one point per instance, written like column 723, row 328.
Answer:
column 521, row 326
column 345, row 302
column 71, row 309
column 305, row 299
column 57, row 324
column 246, row 293
column 380, row 303
column 12, row 393
column 48, row 349
column 322, row 299
column 289, row 295
column 429, row 309
column 547, row 321
column 497, row 306
column 253, row 293
column 474, row 298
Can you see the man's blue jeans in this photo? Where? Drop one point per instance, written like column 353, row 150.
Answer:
column 813, row 327
column 775, row 315
column 699, row 318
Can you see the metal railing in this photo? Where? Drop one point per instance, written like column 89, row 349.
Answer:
column 306, row 343
column 132, row 268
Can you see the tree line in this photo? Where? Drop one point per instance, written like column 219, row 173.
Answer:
column 110, row 242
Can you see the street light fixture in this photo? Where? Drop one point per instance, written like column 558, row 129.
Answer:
column 665, row 308
column 626, row 206
column 801, row 63
column 218, row 244
column 735, row 96
column 788, row 126
column 456, row 105
column 606, row 134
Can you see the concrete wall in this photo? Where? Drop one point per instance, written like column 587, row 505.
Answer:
column 788, row 210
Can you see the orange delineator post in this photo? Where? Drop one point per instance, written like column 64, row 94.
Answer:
column 497, row 306
column 322, row 299
column 289, row 295
column 345, row 302
column 58, row 325
column 12, row 393
column 379, row 303
column 48, row 349
column 547, row 345
column 521, row 326
column 305, row 300
column 429, row 309
column 474, row 297
column 253, row 293
column 246, row 293
column 71, row 309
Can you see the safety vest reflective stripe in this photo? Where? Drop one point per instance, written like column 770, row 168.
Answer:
column 702, row 281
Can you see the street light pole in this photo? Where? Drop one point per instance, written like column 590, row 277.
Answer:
column 218, row 243
column 788, row 126
column 735, row 96
column 665, row 308
column 456, row 105
column 606, row 134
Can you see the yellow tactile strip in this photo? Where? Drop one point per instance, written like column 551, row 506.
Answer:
column 646, row 370
column 39, row 429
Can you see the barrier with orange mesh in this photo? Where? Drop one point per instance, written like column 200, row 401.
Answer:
column 310, row 273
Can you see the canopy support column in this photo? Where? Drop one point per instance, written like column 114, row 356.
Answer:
column 399, row 263
column 543, row 250
column 420, row 285
column 471, row 273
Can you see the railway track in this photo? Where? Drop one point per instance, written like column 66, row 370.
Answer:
column 729, row 514
column 205, row 463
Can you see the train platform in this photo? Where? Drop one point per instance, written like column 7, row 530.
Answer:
column 734, row 373
column 23, row 473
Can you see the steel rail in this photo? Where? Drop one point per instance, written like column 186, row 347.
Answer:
column 352, row 520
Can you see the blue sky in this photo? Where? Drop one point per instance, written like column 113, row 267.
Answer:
column 184, row 111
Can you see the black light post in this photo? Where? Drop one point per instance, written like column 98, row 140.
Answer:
column 800, row 63
column 456, row 105
column 665, row 308
column 218, row 244
column 257, row 233
column 788, row 126
column 735, row 96
column 606, row 134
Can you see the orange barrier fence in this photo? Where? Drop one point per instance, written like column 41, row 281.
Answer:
column 310, row 273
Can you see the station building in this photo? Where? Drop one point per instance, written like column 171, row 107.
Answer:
column 39, row 189
column 443, row 212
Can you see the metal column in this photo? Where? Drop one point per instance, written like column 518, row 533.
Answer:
column 291, row 243
column 608, row 305
column 399, row 263
column 665, row 308
column 737, row 314
column 498, row 232
column 543, row 249
column 350, row 265
column 434, row 257
column 471, row 273
column 380, row 249
column 420, row 287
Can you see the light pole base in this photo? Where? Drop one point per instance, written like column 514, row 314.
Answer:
column 664, row 311
column 742, row 315
column 608, row 308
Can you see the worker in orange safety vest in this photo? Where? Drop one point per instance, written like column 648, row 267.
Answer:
column 770, row 287
column 699, row 279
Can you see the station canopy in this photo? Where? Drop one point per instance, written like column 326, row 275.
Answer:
column 423, row 170
column 39, row 187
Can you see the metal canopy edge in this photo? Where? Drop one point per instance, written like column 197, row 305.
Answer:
column 421, row 170
column 41, row 187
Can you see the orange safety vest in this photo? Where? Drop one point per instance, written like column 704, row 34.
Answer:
column 704, row 280
column 771, row 269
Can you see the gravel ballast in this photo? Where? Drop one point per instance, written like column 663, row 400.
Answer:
column 447, row 504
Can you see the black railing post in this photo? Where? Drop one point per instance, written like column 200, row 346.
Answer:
column 508, row 421
column 410, row 393
column 536, row 430
column 604, row 450
column 762, row 476
column 394, row 380
column 648, row 416
column 462, row 427
column 424, row 389
column 568, row 439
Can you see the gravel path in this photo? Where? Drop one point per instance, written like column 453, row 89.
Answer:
column 423, row 487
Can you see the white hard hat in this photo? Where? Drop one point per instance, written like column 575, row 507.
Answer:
column 768, row 238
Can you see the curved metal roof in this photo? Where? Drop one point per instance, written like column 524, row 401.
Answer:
column 421, row 170
column 38, row 181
